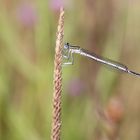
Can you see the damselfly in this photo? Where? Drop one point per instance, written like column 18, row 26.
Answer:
column 69, row 50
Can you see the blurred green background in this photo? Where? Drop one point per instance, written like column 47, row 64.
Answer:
column 97, row 103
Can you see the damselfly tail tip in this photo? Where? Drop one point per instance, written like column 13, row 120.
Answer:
column 134, row 73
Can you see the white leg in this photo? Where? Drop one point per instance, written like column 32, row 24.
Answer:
column 70, row 59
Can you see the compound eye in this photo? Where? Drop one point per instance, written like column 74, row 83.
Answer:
column 66, row 46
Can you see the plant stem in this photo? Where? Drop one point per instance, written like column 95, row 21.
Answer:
column 56, row 124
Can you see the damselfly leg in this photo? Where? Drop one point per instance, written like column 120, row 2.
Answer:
column 67, row 55
column 69, row 60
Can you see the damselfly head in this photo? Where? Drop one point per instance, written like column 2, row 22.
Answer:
column 66, row 51
column 66, row 46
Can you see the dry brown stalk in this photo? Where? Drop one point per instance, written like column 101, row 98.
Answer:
column 56, row 124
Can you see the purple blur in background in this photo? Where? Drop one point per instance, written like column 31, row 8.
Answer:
column 56, row 4
column 75, row 87
column 26, row 14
